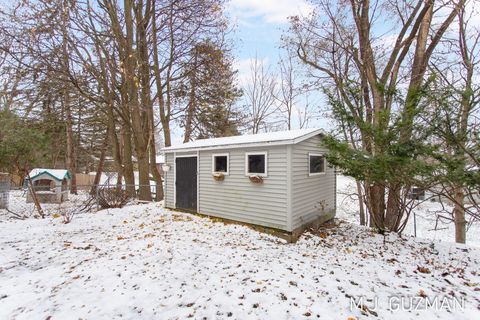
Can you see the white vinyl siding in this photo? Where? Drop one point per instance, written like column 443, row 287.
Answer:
column 236, row 198
column 287, row 199
column 169, row 178
column 310, row 192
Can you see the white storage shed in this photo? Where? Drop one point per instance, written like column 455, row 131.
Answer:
column 278, row 180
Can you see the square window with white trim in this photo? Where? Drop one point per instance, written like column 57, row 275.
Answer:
column 256, row 164
column 316, row 164
column 220, row 163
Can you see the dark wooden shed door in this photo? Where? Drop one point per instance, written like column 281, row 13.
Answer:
column 186, row 183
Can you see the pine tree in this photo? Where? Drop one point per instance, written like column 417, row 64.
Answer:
column 22, row 143
column 210, row 93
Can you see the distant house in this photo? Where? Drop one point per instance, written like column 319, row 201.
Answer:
column 160, row 161
column 439, row 192
column 50, row 185
column 279, row 180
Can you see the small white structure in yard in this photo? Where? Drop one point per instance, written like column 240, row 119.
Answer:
column 160, row 162
column 279, row 180
column 50, row 185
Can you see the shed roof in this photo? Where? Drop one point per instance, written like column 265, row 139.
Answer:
column 252, row 140
column 57, row 174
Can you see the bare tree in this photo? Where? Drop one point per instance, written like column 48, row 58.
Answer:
column 341, row 44
column 260, row 92
column 293, row 94
column 177, row 28
column 455, row 106
column 71, row 154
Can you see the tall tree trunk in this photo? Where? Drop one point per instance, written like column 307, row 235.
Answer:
column 115, row 144
column 127, row 161
column 153, row 156
column 71, row 154
column 394, row 211
column 363, row 220
column 145, row 192
column 467, row 105
column 164, row 106
column 375, row 194
column 71, row 157
column 101, row 163
column 192, row 103
column 137, row 114
column 459, row 215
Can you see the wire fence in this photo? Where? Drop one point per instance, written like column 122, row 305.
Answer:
column 133, row 188
column 105, row 195
column 113, row 195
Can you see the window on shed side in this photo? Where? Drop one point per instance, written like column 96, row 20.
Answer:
column 256, row 163
column 316, row 163
column 220, row 163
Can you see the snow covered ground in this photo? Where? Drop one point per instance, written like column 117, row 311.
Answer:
column 143, row 261
column 426, row 216
column 18, row 204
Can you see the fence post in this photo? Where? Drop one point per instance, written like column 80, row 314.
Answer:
column 4, row 190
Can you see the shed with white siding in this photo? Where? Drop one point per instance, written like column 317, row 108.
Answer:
column 50, row 185
column 279, row 180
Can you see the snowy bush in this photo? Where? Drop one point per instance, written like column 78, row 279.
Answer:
column 112, row 197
